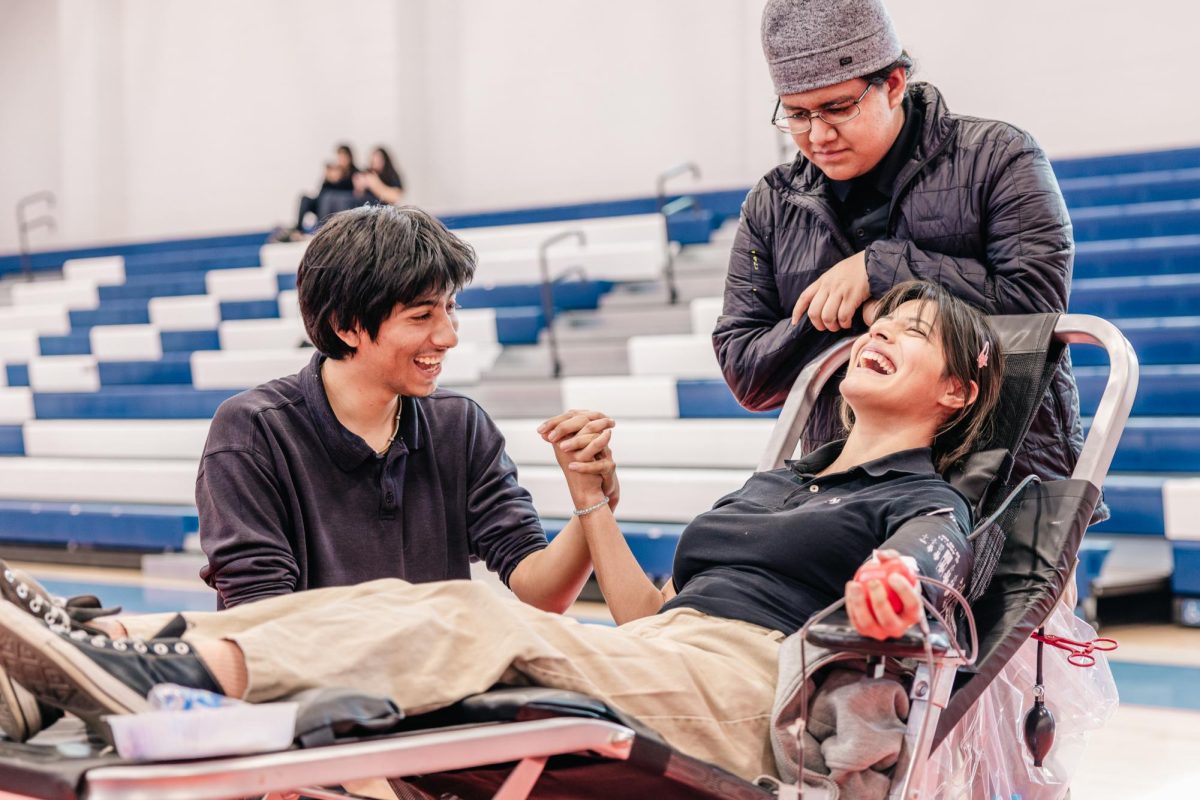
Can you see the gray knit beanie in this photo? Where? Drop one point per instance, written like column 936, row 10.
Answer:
column 810, row 44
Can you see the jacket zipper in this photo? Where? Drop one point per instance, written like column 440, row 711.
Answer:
column 912, row 174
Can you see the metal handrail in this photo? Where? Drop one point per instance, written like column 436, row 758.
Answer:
column 548, row 290
column 25, row 225
column 660, row 198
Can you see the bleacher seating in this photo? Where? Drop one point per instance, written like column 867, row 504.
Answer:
column 111, row 372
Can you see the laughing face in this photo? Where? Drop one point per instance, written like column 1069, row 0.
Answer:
column 898, row 367
column 406, row 355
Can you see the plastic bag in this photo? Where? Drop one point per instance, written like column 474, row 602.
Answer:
column 984, row 757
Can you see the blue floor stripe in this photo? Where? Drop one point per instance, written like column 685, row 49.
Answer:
column 136, row 599
column 1159, row 685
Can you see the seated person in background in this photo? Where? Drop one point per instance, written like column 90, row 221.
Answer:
column 695, row 661
column 339, row 181
column 380, row 183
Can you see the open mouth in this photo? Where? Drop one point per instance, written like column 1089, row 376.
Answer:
column 876, row 362
column 430, row 365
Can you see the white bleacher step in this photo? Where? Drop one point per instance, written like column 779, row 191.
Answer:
column 98, row 480
column 614, row 262
column 688, row 356
column 623, row 396
column 250, row 283
column 618, row 324
column 64, row 374
column 244, row 368
column 16, row 405
column 641, row 228
column 704, row 314
column 46, row 320
column 185, row 312
column 116, row 438
column 71, row 294
column 261, row 334
column 679, row 443
column 577, row 358
column 1181, row 509
column 126, row 342
column 1136, row 564
column 282, row 256
column 289, row 303
column 102, row 271
column 19, row 345
column 539, row 397
column 654, row 293
column 647, row 495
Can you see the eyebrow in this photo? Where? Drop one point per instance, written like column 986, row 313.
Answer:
column 827, row 104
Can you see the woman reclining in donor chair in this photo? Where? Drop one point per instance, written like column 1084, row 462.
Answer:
column 696, row 660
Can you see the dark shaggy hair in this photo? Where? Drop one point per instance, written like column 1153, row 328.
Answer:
column 365, row 261
column 880, row 76
column 961, row 330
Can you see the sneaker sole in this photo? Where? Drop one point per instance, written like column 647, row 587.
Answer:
column 56, row 671
column 13, row 720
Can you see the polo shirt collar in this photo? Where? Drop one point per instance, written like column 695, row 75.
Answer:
column 917, row 461
column 348, row 450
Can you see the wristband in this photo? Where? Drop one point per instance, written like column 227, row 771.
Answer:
column 580, row 512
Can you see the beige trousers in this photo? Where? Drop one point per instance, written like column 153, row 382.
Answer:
column 705, row 684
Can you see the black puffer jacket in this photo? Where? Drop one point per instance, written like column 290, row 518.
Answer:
column 977, row 209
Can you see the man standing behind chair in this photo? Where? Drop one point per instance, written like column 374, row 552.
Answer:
column 888, row 186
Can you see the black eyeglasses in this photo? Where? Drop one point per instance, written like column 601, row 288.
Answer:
column 801, row 121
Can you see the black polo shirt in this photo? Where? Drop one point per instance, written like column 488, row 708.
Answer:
column 783, row 546
column 289, row 499
column 862, row 204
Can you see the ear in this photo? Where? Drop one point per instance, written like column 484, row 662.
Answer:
column 896, row 85
column 955, row 397
column 352, row 336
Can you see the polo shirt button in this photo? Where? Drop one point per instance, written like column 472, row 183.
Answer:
column 861, row 233
column 390, row 498
column 814, row 488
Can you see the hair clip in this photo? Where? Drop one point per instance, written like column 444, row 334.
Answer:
column 981, row 360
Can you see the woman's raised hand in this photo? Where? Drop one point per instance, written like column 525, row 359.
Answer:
column 870, row 608
column 581, row 446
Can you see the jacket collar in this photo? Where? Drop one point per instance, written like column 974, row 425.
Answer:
column 348, row 450
column 917, row 461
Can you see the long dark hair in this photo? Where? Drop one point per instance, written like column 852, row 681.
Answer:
column 389, row 175
column 972, row 353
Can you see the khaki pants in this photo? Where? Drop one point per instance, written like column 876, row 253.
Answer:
column 705, row 684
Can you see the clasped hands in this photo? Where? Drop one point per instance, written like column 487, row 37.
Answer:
column 581, row 446
column 831, row 300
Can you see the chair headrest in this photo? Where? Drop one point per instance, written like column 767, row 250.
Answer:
column 980, row 474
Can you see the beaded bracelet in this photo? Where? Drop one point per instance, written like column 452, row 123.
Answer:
column 579, row 512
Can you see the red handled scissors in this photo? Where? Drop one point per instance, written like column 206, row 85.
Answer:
column 1081, row 652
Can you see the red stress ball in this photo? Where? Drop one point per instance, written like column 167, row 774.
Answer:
column 876, row 570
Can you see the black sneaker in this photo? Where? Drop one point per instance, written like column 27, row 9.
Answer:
column 75, row 613
column 93, row 675
column 21, row 715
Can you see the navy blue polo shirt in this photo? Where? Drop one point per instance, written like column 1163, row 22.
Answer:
column 783, row 546
column 289, row 499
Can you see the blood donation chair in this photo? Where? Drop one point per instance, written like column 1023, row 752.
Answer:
column 530, row 742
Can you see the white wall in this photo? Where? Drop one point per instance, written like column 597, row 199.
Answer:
column 155, row 118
